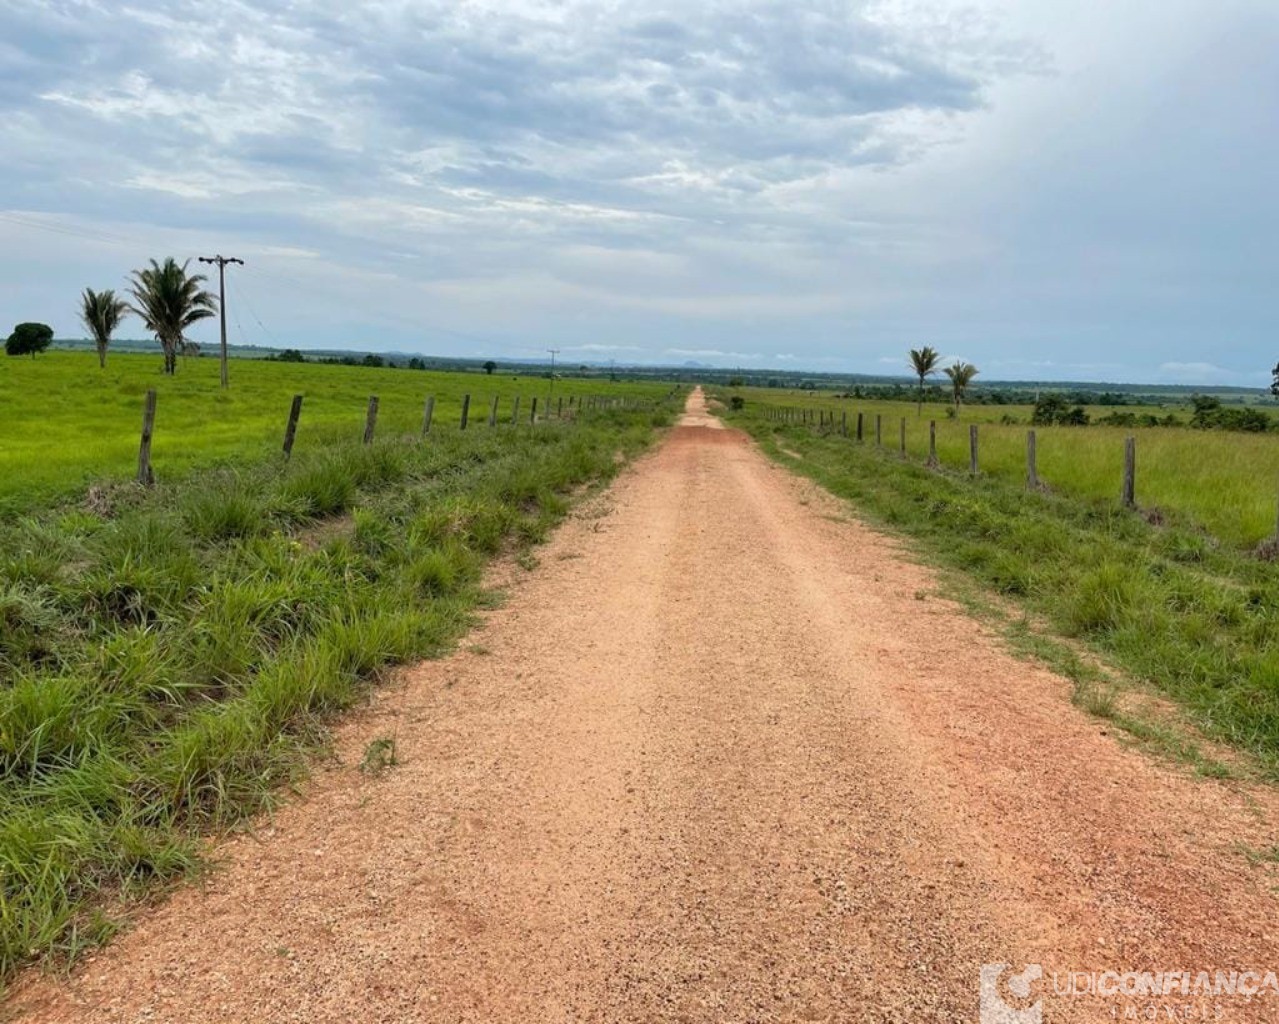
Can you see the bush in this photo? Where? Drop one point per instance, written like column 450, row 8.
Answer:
column 1054, row 410
column 28, row 339
column 1209, row 414
column 737, row 403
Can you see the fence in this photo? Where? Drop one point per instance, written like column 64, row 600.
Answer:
column 824, row 421
column 576, row 406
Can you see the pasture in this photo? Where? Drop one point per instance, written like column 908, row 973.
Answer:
column 66, row 423
column 1225, row 482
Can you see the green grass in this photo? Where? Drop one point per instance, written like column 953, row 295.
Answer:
column 66, row 423
column 1226, row 483
column 169, row 658
column 1196, row 621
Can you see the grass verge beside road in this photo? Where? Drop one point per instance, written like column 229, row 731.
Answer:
column 167, row 657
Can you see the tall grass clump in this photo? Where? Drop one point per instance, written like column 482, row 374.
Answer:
column 168, row 657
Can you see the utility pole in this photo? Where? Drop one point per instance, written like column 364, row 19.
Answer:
column 222, row 261
column 554, row 352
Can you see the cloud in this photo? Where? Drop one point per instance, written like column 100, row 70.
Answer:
column 831, row 180
column 1197, row 371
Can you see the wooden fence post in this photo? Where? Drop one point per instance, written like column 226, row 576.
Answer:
column 426, row 416
column 532, row 416
column 1130, row 472
column 859, row 428
column 1032, row 470
column 903, row 438
column 843, row 424
column 370, row 420
column 932, row 444
column 559, row 408
column 493, row 413
column 291, row 430
column 145, row 476
column 466, row 410
column 879, row 430
column 972, row 448
column 515, row 411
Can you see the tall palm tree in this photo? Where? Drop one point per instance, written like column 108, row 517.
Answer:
column 961, row 375
column 170, row 300
column 101, row 313
column 924, row 362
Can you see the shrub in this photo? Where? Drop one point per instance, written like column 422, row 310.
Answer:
column 28, row 339
column 1054, row 410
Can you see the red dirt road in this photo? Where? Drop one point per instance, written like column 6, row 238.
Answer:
column 723, row 756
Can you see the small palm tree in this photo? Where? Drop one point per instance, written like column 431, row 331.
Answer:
column 961, row 375
column 169, row 300
column 101, row 313
column 924, row 362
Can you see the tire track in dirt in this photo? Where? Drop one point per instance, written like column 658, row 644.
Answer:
column 718, row 764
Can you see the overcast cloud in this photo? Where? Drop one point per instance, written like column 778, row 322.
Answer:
column 1051, row 190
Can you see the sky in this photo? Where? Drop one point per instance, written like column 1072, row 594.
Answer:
column 1050, row 189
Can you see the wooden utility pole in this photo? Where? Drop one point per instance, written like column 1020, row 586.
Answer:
column 222, row 261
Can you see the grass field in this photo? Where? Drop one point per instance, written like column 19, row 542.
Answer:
column 1193, row 619
column 1225, row 482
column 168, row 656
column 66, row 423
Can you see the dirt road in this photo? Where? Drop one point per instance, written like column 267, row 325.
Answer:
column 723, row 756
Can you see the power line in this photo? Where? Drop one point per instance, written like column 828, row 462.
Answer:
column 59, row 229
column 242, row 296
column 235, row 315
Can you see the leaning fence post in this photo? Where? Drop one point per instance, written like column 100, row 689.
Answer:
column 426, row 416
column 1032, row 470
column 493, row 413
column 291, row 430
column 1130, row 472
column 145, row 476
column 370, row 420
column 466, row 410
column 972, row 448
column 932, row 443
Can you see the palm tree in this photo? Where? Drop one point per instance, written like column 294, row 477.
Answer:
column 101, row 313
column 924, row 362
column 170, row 300
column 961, row 375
